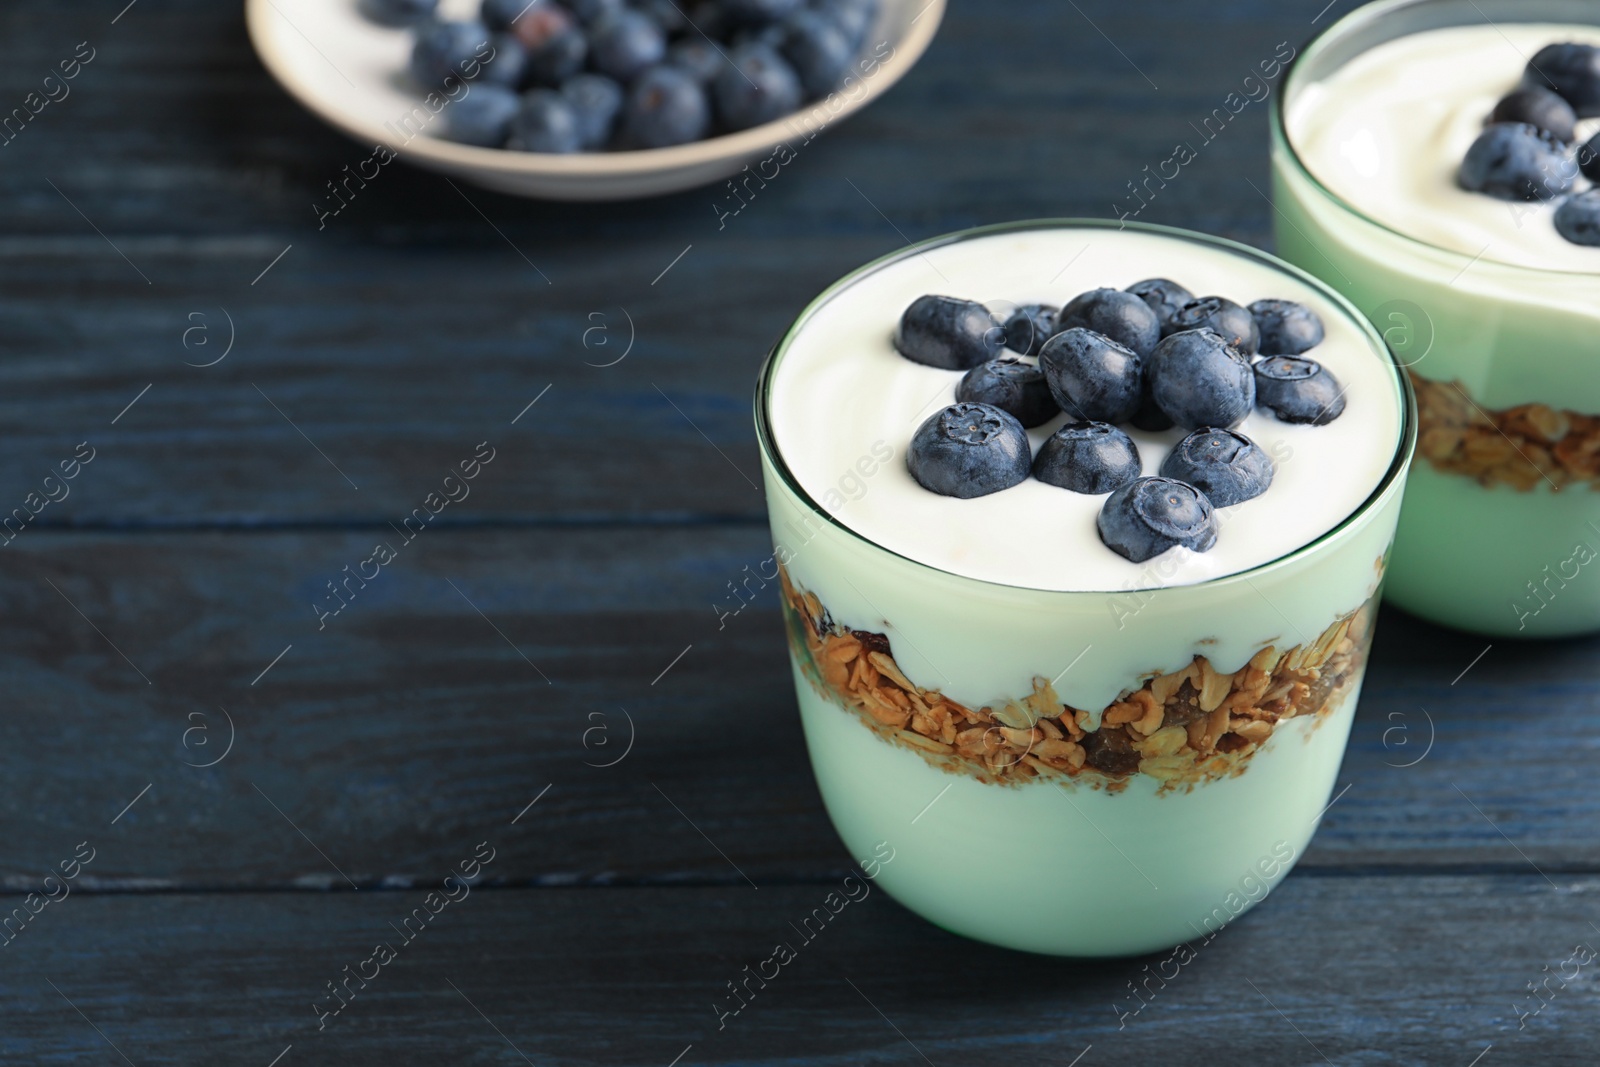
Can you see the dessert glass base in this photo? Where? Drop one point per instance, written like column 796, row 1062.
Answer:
column 1080, row 773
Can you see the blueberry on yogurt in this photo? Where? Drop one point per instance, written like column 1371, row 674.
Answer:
column 1200, row 379
column 1515, row 161
column 1147, row 517
column 1286, row 328
column 1149, row 416
column 1222, row 315
column 1029, row 327
column 1015, row 387
column 1572, row 70
column 1589, row 158
column 1226, row 466
column 1164, row 296
column 1088, row 457
column 1123, row 317
column 1297, row 389
column 969, row 450
column 949, row 333
column 1091, row 376
column 1540, row 108
column 1578, row 220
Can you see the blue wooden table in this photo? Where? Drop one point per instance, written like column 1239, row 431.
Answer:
column 224, row 784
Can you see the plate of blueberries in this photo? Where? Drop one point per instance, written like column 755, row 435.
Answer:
column 589, row 99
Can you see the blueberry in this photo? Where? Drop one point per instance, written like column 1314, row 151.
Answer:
column 708, row 18
column 1572, row 70
column 757, row 86
column 1150, row 516
column 1578, row 220
column 770, row 34
column 398, row 12
column 1218, row 313
column 596, row 101
column 665, row 106
column 590, row 12
column 1297, row 389
column 1029, row 327
column 819, row 49
column 1164, row 296
column 758, row 11
column 500, row 14
column 667, row 14
column 949, row 333
column 697, row 56
column 625, row 44
column 1539, row 108
column 1015, row 387
column 1286, row 328
column 1515, row 161
column 969, row 450
column 854, row 17
column 509, row 67
column 444, row 49
column 1092, row 377
column 1088, row 457
column 483, row 116
column 1226, row 466
column 1123, row 317
column 558, row 59
column 545, row 123
column 1589, row 159
column 555, row 45
column 1199, row 379
column 1150, row 417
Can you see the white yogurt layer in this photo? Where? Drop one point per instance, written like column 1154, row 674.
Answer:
column 841, row 396
column 1387, row 134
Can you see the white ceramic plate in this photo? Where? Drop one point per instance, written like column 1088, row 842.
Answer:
column 351, row 73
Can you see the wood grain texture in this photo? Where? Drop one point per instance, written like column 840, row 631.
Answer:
column 409, row 324
column 1364, row 970
column 410, row 719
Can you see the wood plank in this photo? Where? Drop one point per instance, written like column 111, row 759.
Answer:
column 410, row 719
column 409, row 327
column 1338, row 970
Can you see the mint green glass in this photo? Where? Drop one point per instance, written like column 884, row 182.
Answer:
column 1057, row 866
column 1497, row 559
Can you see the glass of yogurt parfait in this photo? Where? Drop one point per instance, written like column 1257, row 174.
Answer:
column 1079, row 591
column 1433, row 160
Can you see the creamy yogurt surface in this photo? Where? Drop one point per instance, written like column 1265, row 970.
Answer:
column 844, row 405
column 1388, row 131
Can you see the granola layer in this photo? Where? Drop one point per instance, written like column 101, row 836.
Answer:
column 1183, row 728
column 1520, row 446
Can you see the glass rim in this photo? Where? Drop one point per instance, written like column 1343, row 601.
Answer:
column 1283, row 145
column 772, row 455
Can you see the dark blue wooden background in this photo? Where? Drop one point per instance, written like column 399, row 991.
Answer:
column 507, row 649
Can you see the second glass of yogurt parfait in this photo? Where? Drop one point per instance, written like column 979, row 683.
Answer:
column 1025, row 737
column 1494, row 311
